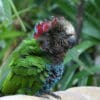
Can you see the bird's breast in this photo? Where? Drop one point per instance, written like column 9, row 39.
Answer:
column 55, row 74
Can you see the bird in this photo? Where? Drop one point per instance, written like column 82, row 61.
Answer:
column 36, row 65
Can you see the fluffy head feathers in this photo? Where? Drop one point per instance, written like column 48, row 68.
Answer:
column 55, row 37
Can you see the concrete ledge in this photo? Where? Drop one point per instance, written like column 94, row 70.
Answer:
column 75, row 93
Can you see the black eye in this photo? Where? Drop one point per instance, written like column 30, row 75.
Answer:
column 41, row 42
column 68, row 35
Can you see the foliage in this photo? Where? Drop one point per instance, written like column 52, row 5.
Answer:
column 17, row 20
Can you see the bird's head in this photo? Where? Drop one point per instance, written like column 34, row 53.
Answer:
column 55, row 35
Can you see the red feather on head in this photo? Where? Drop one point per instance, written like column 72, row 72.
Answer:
column 44, row 27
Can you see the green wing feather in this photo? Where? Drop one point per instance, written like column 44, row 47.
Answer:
column 25, row 70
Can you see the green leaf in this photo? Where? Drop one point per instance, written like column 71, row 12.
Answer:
column 90, row 30
column 17, row 15
column 68, row 76
column 66, row 8
column 11, row 34
column 7, row 10
column 93, row 20
column 77, row 50
column 84, row 66
column 83, row 73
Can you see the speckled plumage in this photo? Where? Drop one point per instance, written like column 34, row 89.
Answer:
column 55, row 74
column 29, row 71
column 37, row 64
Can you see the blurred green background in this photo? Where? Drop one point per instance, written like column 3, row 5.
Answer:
column 82, row 63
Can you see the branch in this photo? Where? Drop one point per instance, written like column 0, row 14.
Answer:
column 79, row 18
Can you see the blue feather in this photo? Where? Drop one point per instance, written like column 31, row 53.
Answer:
column 55, row 74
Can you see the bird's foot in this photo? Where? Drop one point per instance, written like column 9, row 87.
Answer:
column 54, row 95
column 42, row 96
column 45, row 95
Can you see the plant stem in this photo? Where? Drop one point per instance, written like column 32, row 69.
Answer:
column 17, row 15
column 79, row 18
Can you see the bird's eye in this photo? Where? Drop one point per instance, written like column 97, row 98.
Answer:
column 68, row 35
column 40, row 42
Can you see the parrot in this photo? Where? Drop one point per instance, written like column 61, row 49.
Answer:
column 36, row 65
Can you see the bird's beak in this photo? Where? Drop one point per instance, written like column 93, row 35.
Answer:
column 72, row 40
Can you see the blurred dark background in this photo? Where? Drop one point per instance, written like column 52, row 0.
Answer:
column 82, row 63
